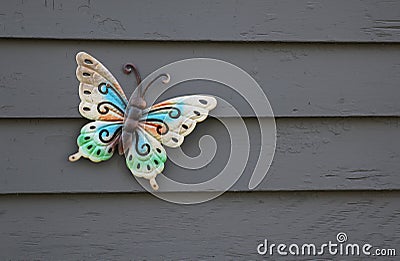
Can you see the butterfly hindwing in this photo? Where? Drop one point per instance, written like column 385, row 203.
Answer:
column 170, row 121
column 145, row 156
column 102, row 98
column 98, row 140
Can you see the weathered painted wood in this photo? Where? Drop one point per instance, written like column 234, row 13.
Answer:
column 321, row 20
column 311, row 154
column 329, row 175
column 140, row 227
column 38, row 77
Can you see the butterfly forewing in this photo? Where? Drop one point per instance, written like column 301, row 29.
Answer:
column 170, row 121
column 102, row 98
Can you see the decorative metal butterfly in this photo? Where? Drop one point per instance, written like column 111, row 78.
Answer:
column 128, row 126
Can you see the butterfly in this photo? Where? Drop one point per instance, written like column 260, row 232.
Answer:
column 128, row 126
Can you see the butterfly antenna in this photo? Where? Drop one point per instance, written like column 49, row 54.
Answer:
column 129, row 67
column 155, row 79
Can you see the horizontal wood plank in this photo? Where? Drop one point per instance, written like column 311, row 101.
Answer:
column 300, row 80
column 311, row 154
column 285, row 20
column 138, row 226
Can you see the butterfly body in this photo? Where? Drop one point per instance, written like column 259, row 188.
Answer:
column 128, row 126
column 132, row 122
column 134, row 113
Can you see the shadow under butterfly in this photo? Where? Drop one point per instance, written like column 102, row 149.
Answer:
column 130, row 127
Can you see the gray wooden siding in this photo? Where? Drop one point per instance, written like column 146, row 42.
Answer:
column 300, row 80
column 331, row 72
column 141, row 227
column 311, row 154
column 243, row 20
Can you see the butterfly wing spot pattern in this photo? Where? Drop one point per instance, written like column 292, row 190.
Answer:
column 146, row 157
column 104, row 102
column 98, row 140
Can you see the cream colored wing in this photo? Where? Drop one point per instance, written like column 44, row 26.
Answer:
column 102, row 98
column 171, row 120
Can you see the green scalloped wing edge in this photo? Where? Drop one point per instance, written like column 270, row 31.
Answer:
column 98, row 140
column 151, row 164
